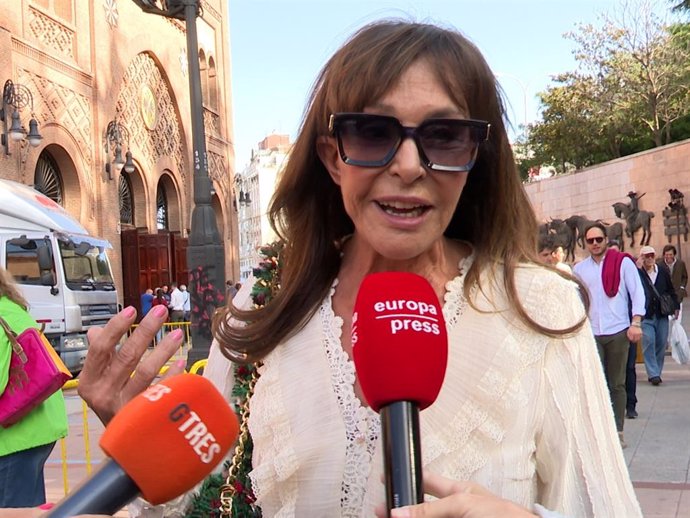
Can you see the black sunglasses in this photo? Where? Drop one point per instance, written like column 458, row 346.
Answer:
column 592, row 240
column 369, row 140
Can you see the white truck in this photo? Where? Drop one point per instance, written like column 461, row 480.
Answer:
column 63, row 272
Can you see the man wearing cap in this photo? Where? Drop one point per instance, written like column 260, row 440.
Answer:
column 610, row 278
column 657, row 283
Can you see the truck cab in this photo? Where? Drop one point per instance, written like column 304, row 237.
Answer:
column 63, row 272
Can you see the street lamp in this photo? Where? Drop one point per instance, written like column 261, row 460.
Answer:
column 205, row 253
column 116, row 135
column 18, row 96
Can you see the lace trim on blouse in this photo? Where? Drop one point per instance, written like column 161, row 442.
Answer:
column 361, row 423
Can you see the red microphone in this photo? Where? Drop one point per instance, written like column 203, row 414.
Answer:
column 161, row 444
column 400, row 350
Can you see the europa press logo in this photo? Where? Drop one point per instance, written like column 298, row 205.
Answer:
column 397, row 316
column 408, row 315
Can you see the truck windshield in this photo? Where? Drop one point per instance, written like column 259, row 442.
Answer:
column 86, row 265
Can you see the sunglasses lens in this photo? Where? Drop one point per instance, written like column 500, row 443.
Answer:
column 448, row 144
column 368, row 140
column 593, row 240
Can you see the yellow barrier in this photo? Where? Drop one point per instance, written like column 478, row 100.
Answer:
column 201, row 364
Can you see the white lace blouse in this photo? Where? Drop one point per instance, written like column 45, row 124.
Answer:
column 527, row 416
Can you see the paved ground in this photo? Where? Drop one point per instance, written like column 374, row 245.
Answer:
column 658, row 452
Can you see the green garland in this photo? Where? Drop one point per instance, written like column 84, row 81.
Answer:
column 206, row 503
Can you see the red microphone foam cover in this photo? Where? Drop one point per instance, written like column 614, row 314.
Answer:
column 170, row 437
column 399, row 339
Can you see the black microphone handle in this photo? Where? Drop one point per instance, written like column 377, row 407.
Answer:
column 106, row 491
column 402, row 455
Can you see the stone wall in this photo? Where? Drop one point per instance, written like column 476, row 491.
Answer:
column 591, row 192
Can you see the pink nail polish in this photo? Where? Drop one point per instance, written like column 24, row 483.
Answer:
column 46, row 506
column 159, row 311
column 176, row 334
column 129, row 312
column 181, row 363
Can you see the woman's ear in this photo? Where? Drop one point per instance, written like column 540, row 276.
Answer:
column 327, row 150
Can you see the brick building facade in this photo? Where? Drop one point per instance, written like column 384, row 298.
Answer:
column 91, row 63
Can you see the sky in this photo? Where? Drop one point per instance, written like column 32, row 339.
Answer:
column 278, row 47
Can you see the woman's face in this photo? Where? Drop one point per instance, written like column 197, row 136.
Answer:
column 402, row 209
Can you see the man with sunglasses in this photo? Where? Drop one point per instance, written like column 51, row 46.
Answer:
column 610, row 278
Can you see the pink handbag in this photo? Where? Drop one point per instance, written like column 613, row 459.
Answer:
column 36, row 372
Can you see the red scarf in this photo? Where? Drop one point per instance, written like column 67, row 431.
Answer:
column 611, row 271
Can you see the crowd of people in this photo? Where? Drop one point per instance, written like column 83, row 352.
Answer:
column 626, row 308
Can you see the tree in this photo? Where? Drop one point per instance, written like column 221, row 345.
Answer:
column 631, row 85
column 642, row 70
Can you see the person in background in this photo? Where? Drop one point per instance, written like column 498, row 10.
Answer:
column 678, row 271
column 176, row 304
column 630, row 372
column 545, row 248
column 146, row 302
column 230, row 290
column 186, row 303
column 611, row 280
column 186, row 312
column 166, row 293
column 160, row 300
column 558, row 258
column 657, row 282
column 552, row 254
column 403, row 163
column 26, row 445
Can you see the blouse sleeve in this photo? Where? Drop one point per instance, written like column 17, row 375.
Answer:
column 580, row 464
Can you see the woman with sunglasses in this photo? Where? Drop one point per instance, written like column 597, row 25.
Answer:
column 403, row 163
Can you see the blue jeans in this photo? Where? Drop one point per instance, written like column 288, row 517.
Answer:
column 654, row 334
column 21, row 477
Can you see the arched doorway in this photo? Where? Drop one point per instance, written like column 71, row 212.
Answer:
column 47, row 178
column 150, row 260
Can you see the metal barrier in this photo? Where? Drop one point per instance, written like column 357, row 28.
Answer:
column 72, row 384
column 165, row 329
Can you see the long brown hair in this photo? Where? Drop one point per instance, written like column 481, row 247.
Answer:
column 9, row 289
column 307, row 212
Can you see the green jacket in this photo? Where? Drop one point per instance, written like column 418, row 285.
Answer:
column 46, row 423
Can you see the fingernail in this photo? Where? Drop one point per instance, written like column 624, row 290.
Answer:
column 400, row 513
column 159, row 311
column 46, row 506
column 181, row 364
column 177, row 334
column 129, row 311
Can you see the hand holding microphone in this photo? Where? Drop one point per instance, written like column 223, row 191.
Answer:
column 400, row 350
column 161, row 444
column 457, row 499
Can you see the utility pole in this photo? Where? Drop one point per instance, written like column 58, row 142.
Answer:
column 205, row 252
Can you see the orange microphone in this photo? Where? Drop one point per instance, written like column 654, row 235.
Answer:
column 161, row 444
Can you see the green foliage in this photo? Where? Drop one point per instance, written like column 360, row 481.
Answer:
column 207, row 502
column 630, row 92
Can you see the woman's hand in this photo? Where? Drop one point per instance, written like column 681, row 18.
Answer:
column 459, row 500
column 111, row 376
